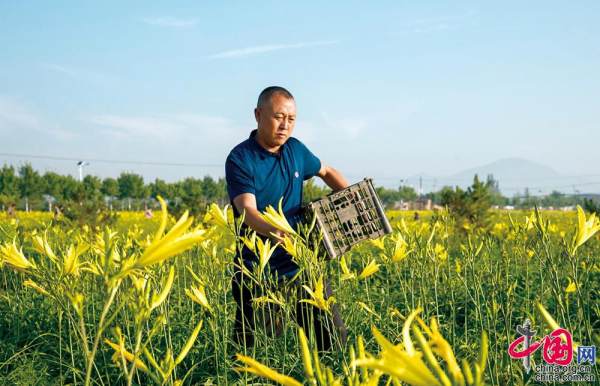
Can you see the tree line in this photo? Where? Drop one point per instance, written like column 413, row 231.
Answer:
column 25, row 188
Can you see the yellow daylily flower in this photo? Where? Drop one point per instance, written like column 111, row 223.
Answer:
column 265, row 251
column 250, row 242
column 270, row 298
column 585, row 228
column 290, row 246
column 31, row 284
column 188, row 344
column 458, row 267
column 157, row 299
column 346, row 273
column 77, row 302
column 215, row 215
column 277, row 219
column 71, row 259
column 255, row 367
column 369, row 310
column 14, row 257
column 198, row 295
column 400, row 248
column 553, row 323
column 40, row 244
column 306, row 358
column 405, row 364
column 440, row 252
column 546, row 315
column 120, row 351
column 176, row 241
column 379, row 243
column 369, row 270
column 442, row 348
column 317, row 297
column 400, row 364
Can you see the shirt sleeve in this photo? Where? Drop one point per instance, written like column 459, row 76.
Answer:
column 312, row 164
column 238, row 176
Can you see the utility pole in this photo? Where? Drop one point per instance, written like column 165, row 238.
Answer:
column 81, row 164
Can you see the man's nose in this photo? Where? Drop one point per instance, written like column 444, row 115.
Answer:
column 284, row 124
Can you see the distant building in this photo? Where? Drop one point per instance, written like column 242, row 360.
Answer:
column 419, row 204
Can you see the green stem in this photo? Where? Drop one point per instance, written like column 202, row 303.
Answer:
column 101, row 327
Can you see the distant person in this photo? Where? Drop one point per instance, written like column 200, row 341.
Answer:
column 267, row 166
column 11, row 210
column 416, row 217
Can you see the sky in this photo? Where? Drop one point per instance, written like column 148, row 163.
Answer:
column 388, row 89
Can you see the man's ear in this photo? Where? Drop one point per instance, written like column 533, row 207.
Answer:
column 257, row 114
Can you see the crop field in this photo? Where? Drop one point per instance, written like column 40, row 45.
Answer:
column 148, row 300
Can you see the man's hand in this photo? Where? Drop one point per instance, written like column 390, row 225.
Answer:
column 333, row 178
column 246, row 202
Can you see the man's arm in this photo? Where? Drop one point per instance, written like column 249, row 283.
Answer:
column 333, row 178
column 246, row 202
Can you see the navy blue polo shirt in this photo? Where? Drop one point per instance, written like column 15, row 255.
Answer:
column 252, row 169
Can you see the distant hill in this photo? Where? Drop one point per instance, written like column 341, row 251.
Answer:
column 510, row 169
column 516, row 174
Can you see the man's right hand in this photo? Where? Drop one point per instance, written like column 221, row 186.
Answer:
column 246, row 203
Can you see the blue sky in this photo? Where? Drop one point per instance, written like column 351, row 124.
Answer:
column 384, row 89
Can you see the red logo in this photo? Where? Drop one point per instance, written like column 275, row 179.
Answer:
column 557, row 347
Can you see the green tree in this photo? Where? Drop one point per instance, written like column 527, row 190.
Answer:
column 30, row 184
column 131, row 186
column 52, row 185
column 72, row 189
column 91, row 187
column 110, row 190
column 493, row 186
column 468, row 207
column 210, row 189
column 9, row 186
column 312, row 192
column 160, row 188
column 591, row 206
column 407, row 193
column 110, row 187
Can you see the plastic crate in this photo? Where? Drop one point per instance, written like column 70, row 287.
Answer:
column 348, row 217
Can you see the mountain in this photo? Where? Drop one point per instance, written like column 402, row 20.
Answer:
column 517, row 174
column 510, row 169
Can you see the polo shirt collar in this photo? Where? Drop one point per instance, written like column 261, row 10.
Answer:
column 261, row 149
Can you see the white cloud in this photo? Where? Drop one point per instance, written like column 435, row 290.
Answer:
column 436, row 24
column 16, row 117
column 253, row 50
column 169, row 127
column 347, row 127
column 170, row 22
column 79, row 74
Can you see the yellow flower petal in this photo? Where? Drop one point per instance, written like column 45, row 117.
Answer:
column 255, row 367
column 369, row 270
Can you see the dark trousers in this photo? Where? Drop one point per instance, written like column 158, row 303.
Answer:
column 305, row 314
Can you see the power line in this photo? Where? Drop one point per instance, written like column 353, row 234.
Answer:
column 109, row 161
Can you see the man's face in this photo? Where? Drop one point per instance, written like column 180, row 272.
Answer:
column 276, row 120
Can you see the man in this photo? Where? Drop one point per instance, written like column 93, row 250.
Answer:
column 269, row 165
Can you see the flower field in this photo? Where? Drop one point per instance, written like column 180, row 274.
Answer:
column 148, row 301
